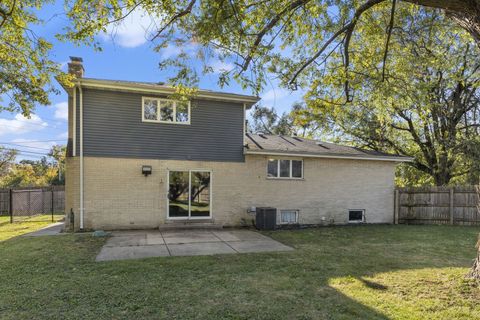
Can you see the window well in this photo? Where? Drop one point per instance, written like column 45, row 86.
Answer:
column 356, row 215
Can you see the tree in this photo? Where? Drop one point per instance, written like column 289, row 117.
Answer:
column 289, row 39
column 26, row 69
column 426, row 106
column 252, row 33
column 7, row 158
column 299, row 121
column 58, row 154
column 30, row 173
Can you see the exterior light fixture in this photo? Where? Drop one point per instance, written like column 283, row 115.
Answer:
column 146, row 170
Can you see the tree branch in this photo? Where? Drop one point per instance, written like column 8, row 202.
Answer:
column 293, row 6
column 177, row 16
column 389, row 34
column 347, row 29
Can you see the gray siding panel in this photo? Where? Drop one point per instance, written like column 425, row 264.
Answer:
column 113, row 127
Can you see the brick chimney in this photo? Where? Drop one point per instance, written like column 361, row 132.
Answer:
column 75, row 67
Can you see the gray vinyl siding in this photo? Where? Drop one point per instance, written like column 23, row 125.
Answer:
column 113, row 127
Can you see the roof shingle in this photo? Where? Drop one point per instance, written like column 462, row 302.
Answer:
column 266, row 143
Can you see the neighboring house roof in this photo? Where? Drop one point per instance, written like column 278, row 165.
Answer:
column 160, row 88
column 296, row 146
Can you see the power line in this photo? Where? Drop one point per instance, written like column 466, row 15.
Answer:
column 24, row 146
column 36, row 141
column 27, row 151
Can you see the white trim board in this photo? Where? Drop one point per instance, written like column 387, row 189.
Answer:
column 314, row 155
column 159, row 89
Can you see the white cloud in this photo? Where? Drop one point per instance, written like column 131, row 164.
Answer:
column 222, row 66
column 132, row 31
column 61, row 111
column 21, row 125
column 275, row 95
column 172, row 50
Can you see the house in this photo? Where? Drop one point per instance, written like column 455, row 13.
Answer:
column 138, row 159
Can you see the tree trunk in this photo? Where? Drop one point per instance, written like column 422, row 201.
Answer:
column 464, row 12
column 475, row 271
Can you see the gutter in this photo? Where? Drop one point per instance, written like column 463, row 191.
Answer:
column 331, row 156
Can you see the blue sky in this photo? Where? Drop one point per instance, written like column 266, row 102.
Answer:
column 126, row 55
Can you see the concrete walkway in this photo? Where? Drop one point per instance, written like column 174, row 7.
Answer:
column 50, row 230
column 143, row 244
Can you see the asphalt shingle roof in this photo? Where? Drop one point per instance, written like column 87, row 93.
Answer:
column 286, row 144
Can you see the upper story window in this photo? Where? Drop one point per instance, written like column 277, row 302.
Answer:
column 165, row 110
column 285, row 169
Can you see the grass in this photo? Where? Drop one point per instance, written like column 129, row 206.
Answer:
column 9, row 230
column 362, row 272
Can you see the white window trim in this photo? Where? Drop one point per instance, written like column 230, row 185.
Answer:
column 278, row 177
column 356, row 221
column 289, row 210
column 158, row 111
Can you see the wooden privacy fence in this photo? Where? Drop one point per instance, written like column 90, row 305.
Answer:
column 26, row 202
column 438, row 205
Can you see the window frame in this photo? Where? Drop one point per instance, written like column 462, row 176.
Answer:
column 174, row 106
column 356, row 221
column 289, row 210
column 290, row 177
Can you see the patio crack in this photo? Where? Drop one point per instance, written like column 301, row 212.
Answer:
column 225, row 242
column 166, row 245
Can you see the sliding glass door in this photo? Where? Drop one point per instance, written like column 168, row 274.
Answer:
column 189, row 194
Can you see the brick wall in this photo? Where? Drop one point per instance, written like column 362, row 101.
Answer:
column 117, row 195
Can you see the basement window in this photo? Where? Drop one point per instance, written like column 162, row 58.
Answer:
column 356, row 215
column 165, row 111
column 288, row 216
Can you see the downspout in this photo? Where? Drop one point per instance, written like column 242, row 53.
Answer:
column 244, row 123
column 74, row 123
column 81, row 156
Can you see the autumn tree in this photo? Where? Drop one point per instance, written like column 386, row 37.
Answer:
column 297, row 121
column 426, row 105
column 26, row 69
column 7, row 158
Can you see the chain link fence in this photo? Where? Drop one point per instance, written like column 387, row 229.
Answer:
column 27, row 203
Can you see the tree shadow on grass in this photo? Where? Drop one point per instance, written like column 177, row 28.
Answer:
column 282, row 285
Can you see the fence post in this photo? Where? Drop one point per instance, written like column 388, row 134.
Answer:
column 396, row 210
column 52, row 202
column 10, row 204
column 451, row 204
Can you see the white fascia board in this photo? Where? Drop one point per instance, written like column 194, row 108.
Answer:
column 147, row 88
column 330, row 156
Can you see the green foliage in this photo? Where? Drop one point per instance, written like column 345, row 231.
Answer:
column 7, row 157
column 29, row 173
column 425, row 106
column 299, row 121
column 26, row 69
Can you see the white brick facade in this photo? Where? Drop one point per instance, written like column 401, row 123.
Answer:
column 118, row 196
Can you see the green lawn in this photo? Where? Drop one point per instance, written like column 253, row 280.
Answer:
column 28, row 224
column 362, row 272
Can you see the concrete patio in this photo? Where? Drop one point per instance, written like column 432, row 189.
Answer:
column 143, row 244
